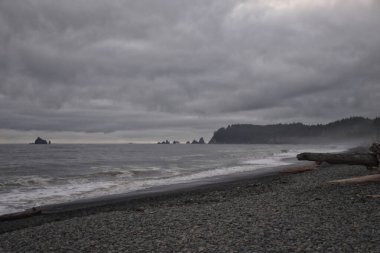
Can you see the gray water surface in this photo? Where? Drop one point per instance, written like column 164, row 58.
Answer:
column 33, row 175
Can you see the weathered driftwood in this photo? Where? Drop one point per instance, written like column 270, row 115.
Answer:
column 298, row 169
column 375, row 196
column 371, row 159
column 355, row 180
column 375, row 149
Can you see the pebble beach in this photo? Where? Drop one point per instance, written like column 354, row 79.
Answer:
column 282, row 213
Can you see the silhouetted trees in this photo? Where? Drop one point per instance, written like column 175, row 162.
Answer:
column 353, row 128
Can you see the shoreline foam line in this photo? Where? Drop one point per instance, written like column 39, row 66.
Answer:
column 152, row 192
column 74, row 189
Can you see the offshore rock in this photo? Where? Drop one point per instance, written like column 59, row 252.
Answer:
column 201, row 141
column 39, row 140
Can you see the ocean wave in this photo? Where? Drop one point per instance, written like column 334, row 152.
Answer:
column 20, row 192
column 27, row 181
column 20, row 199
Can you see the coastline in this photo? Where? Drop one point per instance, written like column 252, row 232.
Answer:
column 119, row 170
column 208, row 183
column 280, row 212
column 45, row 213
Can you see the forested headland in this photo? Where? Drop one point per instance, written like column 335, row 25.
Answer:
column 353, row 129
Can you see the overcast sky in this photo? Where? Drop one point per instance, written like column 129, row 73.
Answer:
column 148, row 70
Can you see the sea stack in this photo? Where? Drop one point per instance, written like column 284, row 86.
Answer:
column 39, row 140
column 201, row 141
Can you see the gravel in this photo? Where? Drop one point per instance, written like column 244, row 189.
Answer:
column 287, row 213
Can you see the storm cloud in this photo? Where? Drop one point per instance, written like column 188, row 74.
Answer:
column 148, row 69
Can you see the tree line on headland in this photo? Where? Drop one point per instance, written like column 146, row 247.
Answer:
column 353, row 129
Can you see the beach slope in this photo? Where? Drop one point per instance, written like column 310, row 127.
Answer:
column 284, row 213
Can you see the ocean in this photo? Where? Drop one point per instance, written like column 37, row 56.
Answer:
column 34, row 175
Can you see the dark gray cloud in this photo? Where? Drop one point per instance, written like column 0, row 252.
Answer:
column 148, row 68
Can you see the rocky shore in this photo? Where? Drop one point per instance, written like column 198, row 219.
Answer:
column 284, row 213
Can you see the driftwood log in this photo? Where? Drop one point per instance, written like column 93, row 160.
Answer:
column 371, row 159
column 368, row 160
column 356, row 180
